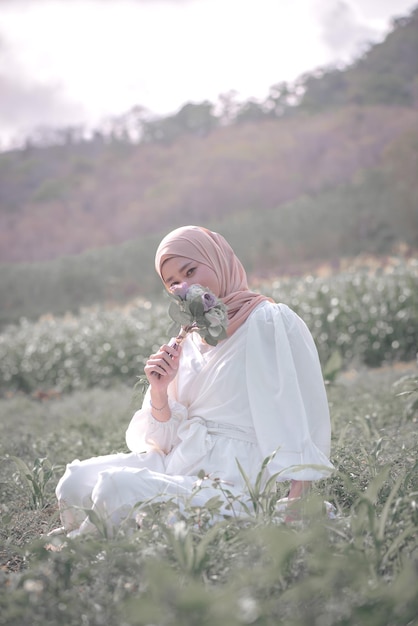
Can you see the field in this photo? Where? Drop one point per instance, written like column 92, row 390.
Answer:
column 65, row 395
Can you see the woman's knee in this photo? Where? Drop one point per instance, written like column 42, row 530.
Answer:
column 74, row 483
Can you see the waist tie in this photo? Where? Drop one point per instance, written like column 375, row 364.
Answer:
column 197, row 436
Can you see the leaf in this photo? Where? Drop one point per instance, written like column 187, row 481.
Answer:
column 409, row 530
column 196, row 308
column 209, row 340
column 386, row 508
column 24, row 471
column 375, row 485
column 177, row 315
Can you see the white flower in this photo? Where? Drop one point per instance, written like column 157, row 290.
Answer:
column 215, row 331
column 195, row 291
column 215, row 317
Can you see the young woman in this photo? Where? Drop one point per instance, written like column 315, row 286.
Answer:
column 259, row 391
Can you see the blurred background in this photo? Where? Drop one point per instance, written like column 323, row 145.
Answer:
column 290, row 127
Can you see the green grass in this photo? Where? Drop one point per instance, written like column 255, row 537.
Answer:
column 358, row 569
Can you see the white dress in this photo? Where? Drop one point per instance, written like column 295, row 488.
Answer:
column 260, row 391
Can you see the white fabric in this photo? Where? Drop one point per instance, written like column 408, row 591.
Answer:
column 258, row 392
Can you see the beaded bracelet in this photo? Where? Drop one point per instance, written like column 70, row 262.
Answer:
column 156, row 409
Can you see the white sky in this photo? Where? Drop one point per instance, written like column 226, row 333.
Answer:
column 72, row 61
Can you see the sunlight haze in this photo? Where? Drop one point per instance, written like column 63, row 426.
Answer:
column 65, row 63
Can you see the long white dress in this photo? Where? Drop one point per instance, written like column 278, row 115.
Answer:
column 260, row 391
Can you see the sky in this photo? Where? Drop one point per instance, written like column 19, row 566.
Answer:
column 74, row 62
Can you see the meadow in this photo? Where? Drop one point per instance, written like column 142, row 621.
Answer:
column 68, row 388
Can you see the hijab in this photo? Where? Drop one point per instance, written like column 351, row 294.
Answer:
column 211, row 249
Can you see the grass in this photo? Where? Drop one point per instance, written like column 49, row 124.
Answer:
column 358, row 569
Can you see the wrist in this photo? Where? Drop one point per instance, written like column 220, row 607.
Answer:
column 158, row 398
column 160, row 409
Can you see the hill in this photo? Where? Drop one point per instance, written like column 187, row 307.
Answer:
column 63, row 200
column 295, row 180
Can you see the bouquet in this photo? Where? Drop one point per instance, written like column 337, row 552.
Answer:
column 197, row 309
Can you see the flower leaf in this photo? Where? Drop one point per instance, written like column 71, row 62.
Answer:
column 178, row 315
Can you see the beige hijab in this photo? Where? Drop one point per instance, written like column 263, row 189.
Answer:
column 211, row 249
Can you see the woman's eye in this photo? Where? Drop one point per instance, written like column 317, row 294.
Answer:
column 190, row 271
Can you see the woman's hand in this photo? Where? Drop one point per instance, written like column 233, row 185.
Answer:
column 161, row 368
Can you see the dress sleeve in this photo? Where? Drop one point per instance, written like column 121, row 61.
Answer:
column 145, row 433
column 287, row 395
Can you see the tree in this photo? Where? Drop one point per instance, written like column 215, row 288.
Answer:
column 281, row 97
column 250, row 111
column 228, row 107
column 196, row 119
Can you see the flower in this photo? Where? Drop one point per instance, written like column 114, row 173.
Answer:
column 180, row 290
column 208, row 300
column 194, row 291
column 197, row 309
column 214, row 316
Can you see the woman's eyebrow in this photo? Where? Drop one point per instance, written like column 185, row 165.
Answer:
column 181, row 270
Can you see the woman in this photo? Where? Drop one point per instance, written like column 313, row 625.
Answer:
column 212, row 408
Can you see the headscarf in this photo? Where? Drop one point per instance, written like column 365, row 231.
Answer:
column 211, row 249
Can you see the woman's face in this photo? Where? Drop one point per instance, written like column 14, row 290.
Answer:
column 181, row 269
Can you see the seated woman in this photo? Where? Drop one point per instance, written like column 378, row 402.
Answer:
column 257, row 392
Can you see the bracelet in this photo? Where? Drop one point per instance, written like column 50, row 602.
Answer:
column 156, row 409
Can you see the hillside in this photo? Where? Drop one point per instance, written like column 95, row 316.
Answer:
column 290, row 185
column 65, row 199
column 58, row 200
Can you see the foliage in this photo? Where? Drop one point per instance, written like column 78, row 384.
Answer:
column 35, row 479
column 182, row 568
column 365, row 317
column 97, row 348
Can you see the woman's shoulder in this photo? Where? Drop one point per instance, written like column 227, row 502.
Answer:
column 274, row 317
column 272, row 311
column 272, row 322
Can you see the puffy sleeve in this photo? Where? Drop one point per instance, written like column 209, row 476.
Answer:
column 287, row 394
column 145, row 433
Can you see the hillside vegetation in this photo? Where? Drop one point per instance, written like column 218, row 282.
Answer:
column 69, row 199
column 292, row 181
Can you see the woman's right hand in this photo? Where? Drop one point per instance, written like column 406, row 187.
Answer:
column 161, row 367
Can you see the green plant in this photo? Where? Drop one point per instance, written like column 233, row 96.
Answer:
column 185, row 565
column 35, row 479
column 409, row 386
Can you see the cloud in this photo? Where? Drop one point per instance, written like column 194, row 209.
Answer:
column 26, row 102
column 10, row 3
column 343, row 31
